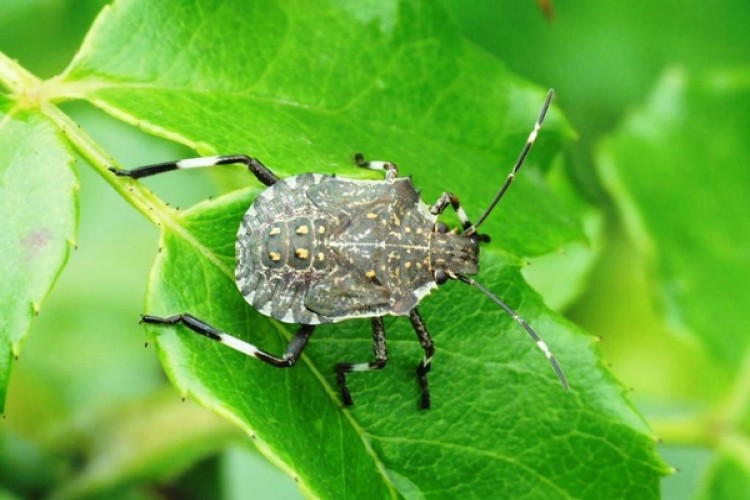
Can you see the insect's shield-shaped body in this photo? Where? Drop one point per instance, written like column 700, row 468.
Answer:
column 317, row 249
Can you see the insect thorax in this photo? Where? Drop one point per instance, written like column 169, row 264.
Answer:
column 454, row 253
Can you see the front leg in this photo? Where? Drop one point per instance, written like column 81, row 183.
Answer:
column 261, row 172
column 289, row 359
column 451, row 199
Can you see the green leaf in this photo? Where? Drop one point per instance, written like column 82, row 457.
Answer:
column 678, row 170
column 728, row 478
column 265, row 95
column 304, row 88
column 497, row 404
column 170, row 436
column 38, row 212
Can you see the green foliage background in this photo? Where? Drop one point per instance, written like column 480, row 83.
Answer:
column 637, row 231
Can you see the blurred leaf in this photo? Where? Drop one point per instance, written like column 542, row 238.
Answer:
column 237, row 461
column 38, row 221
column 728, row 478
column 603, row 57
column 153, row 438
column 678, row 170
column 303, row 90
column 44, row 34
column 24, row 467
column 562, row 276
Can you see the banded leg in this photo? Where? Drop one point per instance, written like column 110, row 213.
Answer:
column 451, row 199
column 381, row 358
column 429, row 350
column 261, row 172
column 391, row 170
column 289, row 359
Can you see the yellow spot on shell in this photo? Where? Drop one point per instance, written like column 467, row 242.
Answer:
column 322, row 229
column 370, row 274
column 407, row 264
column 302, row 230
column 321, row 256
column 301, row 253
column 275, row 256
column 372, row 215
column 275, row 231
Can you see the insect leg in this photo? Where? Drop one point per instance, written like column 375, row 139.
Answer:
column 451, row 199
column 289, row 359
column 381, row 357
column 429, row 350
column 391, row 170
column 261, row 172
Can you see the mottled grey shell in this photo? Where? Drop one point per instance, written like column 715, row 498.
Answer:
column 317, row 249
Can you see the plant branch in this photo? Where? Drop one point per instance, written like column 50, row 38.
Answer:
column 14, row 77
column 135, row 193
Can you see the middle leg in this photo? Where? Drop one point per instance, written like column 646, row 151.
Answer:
column 429, row 350
column 381, row 357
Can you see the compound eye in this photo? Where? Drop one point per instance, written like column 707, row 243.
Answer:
column 440, row 277
column 440, row 227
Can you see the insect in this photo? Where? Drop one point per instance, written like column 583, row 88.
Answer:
column 315, row 249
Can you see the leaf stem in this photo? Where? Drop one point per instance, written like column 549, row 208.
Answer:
column 14, row 77
column 143, row 200
column 135, row 193
column 30, row 92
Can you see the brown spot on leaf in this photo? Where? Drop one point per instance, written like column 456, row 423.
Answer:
column 35, row 242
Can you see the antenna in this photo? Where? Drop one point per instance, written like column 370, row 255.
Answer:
column 519, row 162
column 513, row 314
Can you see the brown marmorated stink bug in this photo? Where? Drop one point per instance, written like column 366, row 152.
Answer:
column 315, row 249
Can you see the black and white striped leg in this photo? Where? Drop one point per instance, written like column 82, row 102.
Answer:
column 289, row 359
column 391, row 170
column 381, row 358
column 429, row 350
column 263, row 174
column 451, row 199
